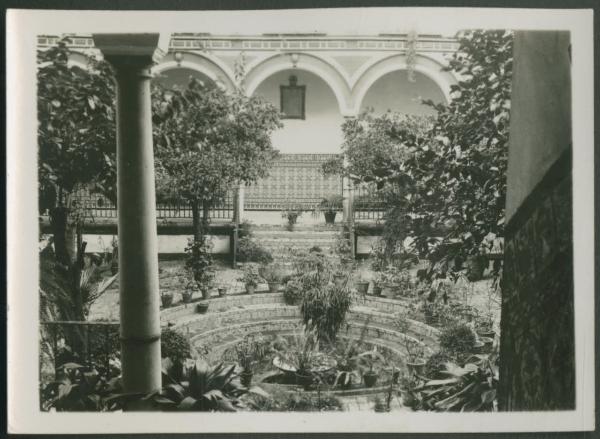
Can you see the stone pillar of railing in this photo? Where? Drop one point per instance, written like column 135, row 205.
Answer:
column 240, row 203
column 132, row 55
column 348, row 204
column 238, row 215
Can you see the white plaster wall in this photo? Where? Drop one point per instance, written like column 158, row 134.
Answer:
column 395, row 92
column 166, row 243
column 364, row 244
column 320, row 132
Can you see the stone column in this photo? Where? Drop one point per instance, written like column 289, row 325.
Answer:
column 132, row 55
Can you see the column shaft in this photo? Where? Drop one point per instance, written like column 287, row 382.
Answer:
column 138, row 249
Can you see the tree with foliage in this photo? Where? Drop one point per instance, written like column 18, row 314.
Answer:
column 76, row 147
column 444, row 178
column 207, row 141
column 471, row 135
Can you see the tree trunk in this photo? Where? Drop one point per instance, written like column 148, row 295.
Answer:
column 65, row 235
column 69, row 249
column 196, row 221
column 205, row 214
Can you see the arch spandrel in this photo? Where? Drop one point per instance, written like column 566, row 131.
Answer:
column 208, row 65
column 368, row 74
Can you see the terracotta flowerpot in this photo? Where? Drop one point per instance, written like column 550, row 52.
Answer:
column 488, row 344
column 408, row 399
column 167, row 300
column 304, row 379
column 222, row 292
column 250, row 289
column 370, row 379
column 376, row 290
column 202, row 307
column 186, row 297
column 479, row 347
column 416, row 367
column 274, row 287
column 362, row 287
column 489, row 333
column 246, row 378
column 206, row 294
column 330, row 217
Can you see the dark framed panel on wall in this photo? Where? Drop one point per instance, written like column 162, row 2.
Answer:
column 292, row 99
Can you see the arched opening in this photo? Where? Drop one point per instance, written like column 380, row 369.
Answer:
column 180, row 77
column 394, row 92
column 319, row 132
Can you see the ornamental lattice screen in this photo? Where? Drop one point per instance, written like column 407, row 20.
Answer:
column 294, row 179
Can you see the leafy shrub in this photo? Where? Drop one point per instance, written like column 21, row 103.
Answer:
column 103, row 341
column 251, row 251
column 199, row 261
column 174, row 345
column 250, row 277
column 292, row 293
column 79, row 388
column 458, row 341
column 326, row 306
column 204, row 388
column 466, row 389
column 272, row 273
column 435, row 364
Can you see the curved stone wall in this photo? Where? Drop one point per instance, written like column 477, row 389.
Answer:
column 232, row 317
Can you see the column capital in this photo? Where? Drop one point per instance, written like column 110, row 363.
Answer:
column 135, row 50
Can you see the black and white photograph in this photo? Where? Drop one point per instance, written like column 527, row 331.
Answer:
column 337, row 220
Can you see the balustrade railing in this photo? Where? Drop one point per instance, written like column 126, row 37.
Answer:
column 368, row 204
column 98, row 206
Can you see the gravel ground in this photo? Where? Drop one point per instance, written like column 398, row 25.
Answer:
column 170, row 272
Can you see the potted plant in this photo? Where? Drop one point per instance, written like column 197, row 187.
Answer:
column 380, row 406
column 415, row 352
column 370, row 376
column 362, row 286
column 188, row 289
column 250, row 278
column 408, row 384
column 292, row 292
column 348, row 360
column 291, row 214
column 330, row 207
column 166, row 299
column 485, row 326
column 301, row 356
column 222, row 290
column 248, row 352
column 378, row 283
column 273, row 274
column 431, row 312
column 202, row 307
